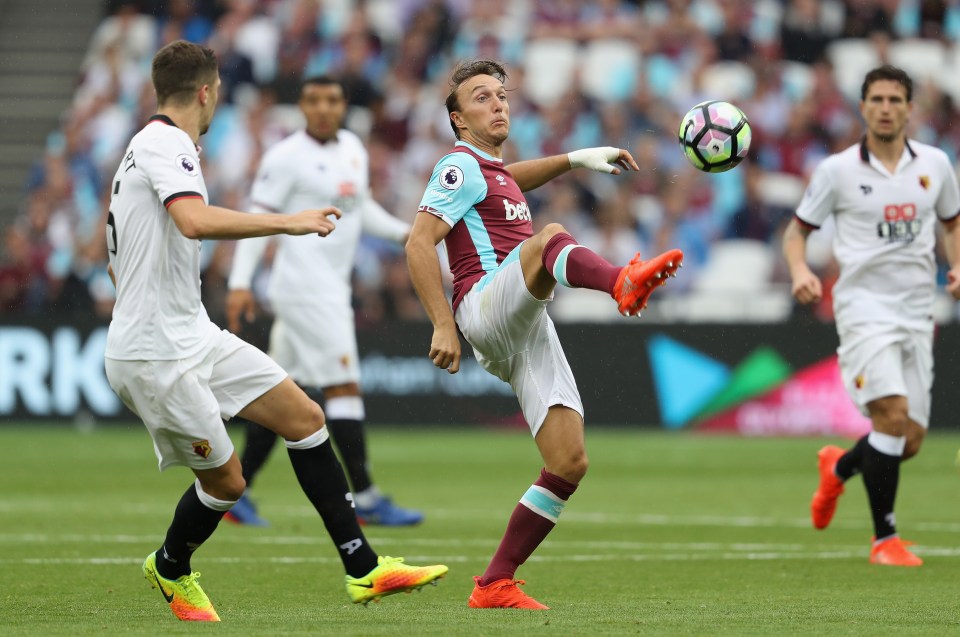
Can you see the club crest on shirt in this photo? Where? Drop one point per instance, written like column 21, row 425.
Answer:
column 202, row 448
column 924, row 182
column 187, row 164
column 451, row 177
column 859, row 381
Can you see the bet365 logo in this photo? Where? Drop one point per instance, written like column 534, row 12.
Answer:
column 516, row 211
column 900, row 223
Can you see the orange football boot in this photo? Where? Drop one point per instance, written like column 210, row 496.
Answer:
column 824, row 502
column 893, row 552
column 503, row 593
column 638, row 279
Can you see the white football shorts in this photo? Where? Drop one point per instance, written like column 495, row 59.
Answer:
column 878, row 361
column 315, row 342
column 183, row 403
column 514, row 339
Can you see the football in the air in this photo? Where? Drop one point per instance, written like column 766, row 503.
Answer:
column 715, row 136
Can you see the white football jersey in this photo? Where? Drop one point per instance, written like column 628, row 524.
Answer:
column 299, row 173
column 158, row 314
column 885, row 231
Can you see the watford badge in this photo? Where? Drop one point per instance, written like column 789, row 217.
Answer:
column 202, row 448
column 924, row 182
column 859, row 381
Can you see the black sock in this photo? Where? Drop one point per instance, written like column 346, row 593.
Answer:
column 193, row 522
column 322, row 479
column 881, row 474
column 849, row 463
column 349, row 438
column 256, row 450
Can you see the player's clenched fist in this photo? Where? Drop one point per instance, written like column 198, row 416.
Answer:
column 309, row 221
column 807, row 287
column 445, row 350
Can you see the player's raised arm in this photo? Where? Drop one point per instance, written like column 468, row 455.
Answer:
column 424, row 266
column 533, row 173
column 380, row 223
column 197, row 220
column 806, row 286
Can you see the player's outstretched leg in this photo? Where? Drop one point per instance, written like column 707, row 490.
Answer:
column 639, row 279
column 575, row 266
column 824, row 502
column 391, row 576
column 184, row 595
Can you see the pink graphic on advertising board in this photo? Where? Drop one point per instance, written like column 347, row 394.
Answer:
column 813, row 402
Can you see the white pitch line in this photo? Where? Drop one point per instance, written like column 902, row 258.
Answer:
column 570, row 516
column 616, row 557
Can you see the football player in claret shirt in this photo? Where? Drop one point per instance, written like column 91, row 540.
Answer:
column 886, row 195
column 504, row 276
column 182, row 375
column 322, row 164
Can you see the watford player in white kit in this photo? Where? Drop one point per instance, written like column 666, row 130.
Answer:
column 313, row 336
column 182, row 375
column 886, row 195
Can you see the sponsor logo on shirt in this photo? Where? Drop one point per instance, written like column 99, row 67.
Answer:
column 442, row 195
column 187, row 164
column 346, row 199
column 451, row 177
column 900, row 224
column 518, row 211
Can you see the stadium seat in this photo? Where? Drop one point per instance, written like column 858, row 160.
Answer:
column 549, row 65
column 852, row 58
column 728, row 80
column 922, row 59
column 609, row 69
column 736, row 266
column 735, row 285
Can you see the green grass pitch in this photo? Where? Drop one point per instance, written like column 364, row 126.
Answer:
column 668, row 535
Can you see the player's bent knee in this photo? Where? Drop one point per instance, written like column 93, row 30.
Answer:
column 573, row 468
column 914, row 442
column 894, row 422
column 227, row 488
column 551, row 230
column 307, row 421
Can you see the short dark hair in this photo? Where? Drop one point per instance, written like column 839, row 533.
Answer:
column 887, row 72
column 180, row 69
column 321, row 80
column 463, row 72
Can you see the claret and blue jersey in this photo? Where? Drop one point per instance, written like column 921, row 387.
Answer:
column 476, row 195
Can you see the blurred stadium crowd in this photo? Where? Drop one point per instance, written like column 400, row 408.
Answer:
column 607, row 72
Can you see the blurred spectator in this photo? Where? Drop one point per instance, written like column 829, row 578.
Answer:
column 182, row 21
column 393, row 57
column 803, row 35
